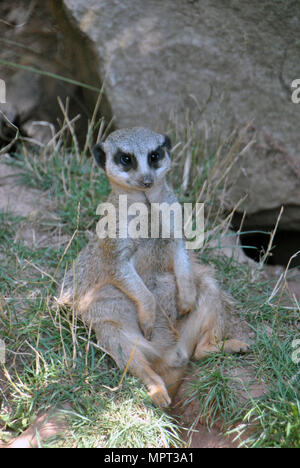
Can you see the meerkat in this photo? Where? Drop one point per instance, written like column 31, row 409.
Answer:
column 136, row 162
column 149, row 301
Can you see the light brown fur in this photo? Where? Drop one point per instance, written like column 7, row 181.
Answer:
column 104, row 305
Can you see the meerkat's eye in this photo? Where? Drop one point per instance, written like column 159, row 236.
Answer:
column 154, row 157
column 125, row 159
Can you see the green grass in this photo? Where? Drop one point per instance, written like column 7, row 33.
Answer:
column 74, row 184
column 51, row 358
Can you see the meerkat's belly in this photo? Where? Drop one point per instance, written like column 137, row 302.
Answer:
column 153, row 255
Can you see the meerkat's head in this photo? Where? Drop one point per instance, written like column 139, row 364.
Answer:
column 135, row 158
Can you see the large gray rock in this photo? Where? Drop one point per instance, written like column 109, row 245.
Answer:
column 236, row 58
column 270, row 178
column 156, row 54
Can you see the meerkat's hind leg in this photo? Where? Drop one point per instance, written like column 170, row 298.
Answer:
column 127, row 346
column 217, row 320
column 214, row 339
column 202, row 326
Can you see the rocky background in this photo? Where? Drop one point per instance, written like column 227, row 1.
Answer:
column 227, row 61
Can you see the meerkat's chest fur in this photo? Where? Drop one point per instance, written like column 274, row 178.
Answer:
column 146, row 251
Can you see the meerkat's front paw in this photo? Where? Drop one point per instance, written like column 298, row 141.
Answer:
column 147, row 328
column 187, row 298
column 147, row 315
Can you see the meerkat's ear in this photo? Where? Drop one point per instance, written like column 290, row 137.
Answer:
column 99, row 155
column 167, row 143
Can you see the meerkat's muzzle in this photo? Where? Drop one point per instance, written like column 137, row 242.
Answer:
column 146, row 181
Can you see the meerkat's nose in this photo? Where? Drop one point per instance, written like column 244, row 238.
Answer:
column 147, row 181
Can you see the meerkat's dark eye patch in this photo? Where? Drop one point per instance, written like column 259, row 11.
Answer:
column 167, row 143
column 126, row 160
column 154, row 157
column 99, row 155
